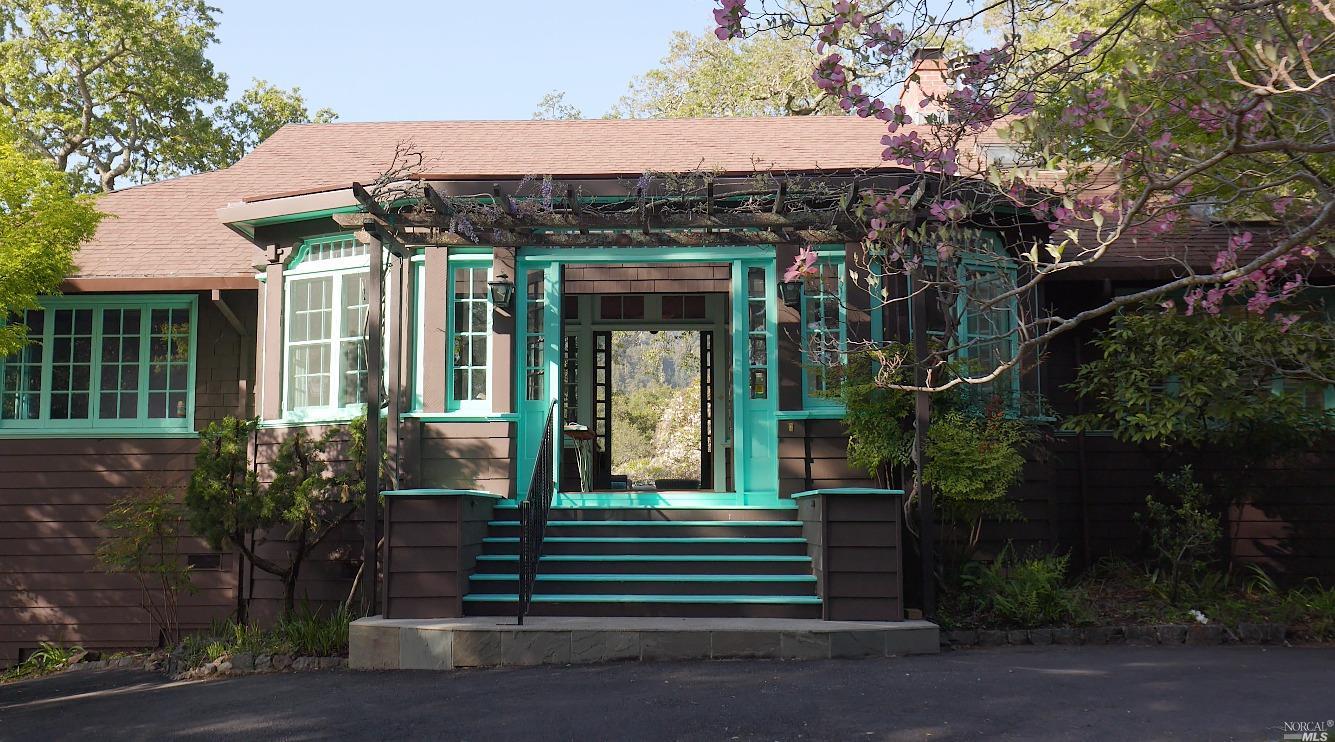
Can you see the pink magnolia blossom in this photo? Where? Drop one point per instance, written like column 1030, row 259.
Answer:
column 803, row 265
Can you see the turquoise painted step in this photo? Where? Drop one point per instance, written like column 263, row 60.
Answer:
column 651, row 557
column 576, row 598
column 652, row 540
column 631, row 503
column 637, row 523
column 639, row 577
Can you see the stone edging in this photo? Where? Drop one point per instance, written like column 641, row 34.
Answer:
column 1198, row 634
column 241, row 663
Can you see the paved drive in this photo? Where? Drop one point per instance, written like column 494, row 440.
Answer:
column 1125, row 693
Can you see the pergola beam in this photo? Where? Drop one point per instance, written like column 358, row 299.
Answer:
column 621, row 220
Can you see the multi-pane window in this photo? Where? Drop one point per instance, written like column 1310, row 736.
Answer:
column 986, row 334
column 535, row 357
column 470, row 332
column 824, row 331
column 325, row 329
column 756, row 335
column 326, row 342
column 104, row 363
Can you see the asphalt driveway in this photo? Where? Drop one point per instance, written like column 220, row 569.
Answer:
column 1120, row 693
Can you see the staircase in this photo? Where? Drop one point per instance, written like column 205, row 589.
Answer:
column 640, row 561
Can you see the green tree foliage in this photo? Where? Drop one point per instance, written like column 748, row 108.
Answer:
column 308, row 498
column 703, row 77
column 144, row 542
column 41, row 225
column 878, row 437
column 109, row 88
column 241, row 125
column 553, row 106
column 972, row 463
column 1246, row 383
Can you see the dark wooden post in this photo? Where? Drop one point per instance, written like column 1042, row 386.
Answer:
column 374, row 369
column 922, row 409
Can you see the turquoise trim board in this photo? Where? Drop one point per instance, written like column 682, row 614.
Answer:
column 429, row 492
column 121, row 365
column 650, row 558
column 643, row 577
column 728, row 599
column 848, row 491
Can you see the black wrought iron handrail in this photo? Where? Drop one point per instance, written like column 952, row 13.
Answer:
column 533, row 512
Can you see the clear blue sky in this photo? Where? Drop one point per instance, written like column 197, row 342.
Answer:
column 381, row 60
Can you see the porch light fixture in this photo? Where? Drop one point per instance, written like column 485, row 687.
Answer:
column 791, row 291
column 502, row 290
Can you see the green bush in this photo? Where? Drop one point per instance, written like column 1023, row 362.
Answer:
column 1021, row 592
column 49, row 657
column 972, row 462
column 1184, row 537
column 302, row 632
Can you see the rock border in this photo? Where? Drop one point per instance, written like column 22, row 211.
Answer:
column 1159, row 634
column 241, row 663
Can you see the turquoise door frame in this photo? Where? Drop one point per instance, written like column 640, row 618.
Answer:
column 539, row 351
column 755, row 428
column 755, row 437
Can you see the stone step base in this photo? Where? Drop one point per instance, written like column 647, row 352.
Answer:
column 482, row 641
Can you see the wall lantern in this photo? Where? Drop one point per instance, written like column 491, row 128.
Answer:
column 502, row 291
column 791, row 292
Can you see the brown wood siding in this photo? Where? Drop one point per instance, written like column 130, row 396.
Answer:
column 327, row 573
column 629, row 278
column 433, row 544
column 854, row 543
column 827, row 465
column 468, row 455
column 54, row 491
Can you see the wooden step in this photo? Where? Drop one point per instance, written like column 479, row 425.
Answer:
column 648, row 584
column 781, row 545
column 652, row 563
column 689, row 606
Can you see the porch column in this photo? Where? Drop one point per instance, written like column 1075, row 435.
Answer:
column 858, row 311
column 790, row 337
column 269, row 371
column 503, row 344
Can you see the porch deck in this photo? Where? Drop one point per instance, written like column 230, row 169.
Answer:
column 377, row 643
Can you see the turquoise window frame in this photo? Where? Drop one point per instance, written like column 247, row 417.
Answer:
column 303, row 267
column 44, row 426
column 474, row 259
column 1003, row 265
column 837, row 258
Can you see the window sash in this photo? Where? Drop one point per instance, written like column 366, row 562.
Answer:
column 122, row 363
column 823, row 315
column 324, row 355
column 468, row 352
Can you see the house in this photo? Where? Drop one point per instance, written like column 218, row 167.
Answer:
column 245, row 292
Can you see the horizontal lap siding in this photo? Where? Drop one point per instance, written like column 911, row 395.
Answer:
column 327, row 572
column 647, row 279
column 468, row 455
column 433, row 545
column 828, row 468
column 854, row 543
column 53, row 492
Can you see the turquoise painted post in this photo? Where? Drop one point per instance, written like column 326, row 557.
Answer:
column 755, row 359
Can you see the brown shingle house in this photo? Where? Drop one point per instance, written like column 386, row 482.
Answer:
column 251, row 276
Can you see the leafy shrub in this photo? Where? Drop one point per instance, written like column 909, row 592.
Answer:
column 301, row 632
column 972, row 462
column 144, row 533
column 1184, row 537
column 49, row 657
column 1022, row 592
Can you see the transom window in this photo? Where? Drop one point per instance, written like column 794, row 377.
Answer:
column 325, row 330
column 103, row 363
column 824, row 331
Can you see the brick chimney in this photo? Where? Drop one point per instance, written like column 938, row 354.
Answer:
column 929, row 64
